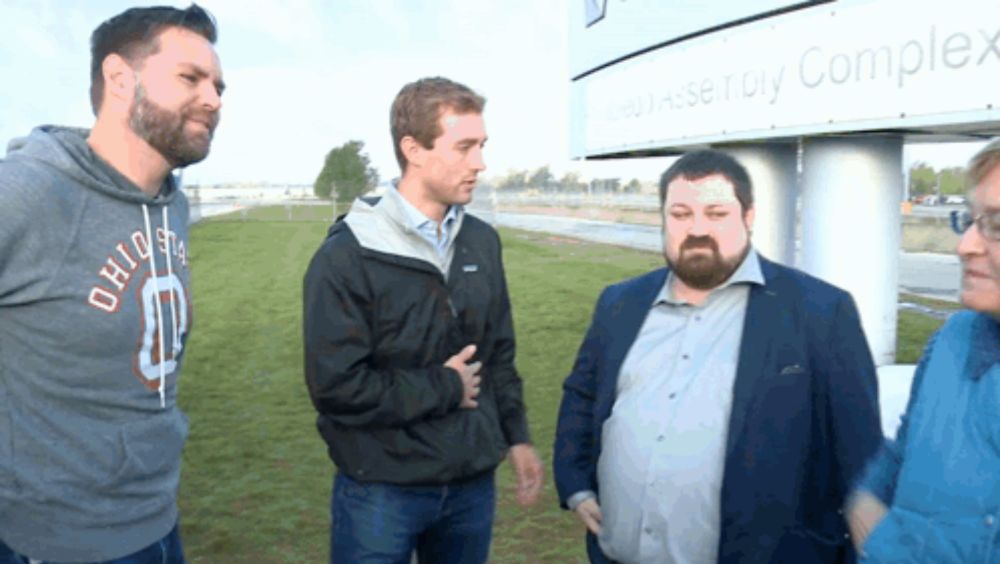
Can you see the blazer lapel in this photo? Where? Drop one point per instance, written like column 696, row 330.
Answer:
column 754, row 348
column 627, row 317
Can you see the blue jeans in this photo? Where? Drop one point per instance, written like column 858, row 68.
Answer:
column 167, row 550
column 385, row 523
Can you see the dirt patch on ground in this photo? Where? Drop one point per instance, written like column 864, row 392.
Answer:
column 596, row 213
column 562, row 240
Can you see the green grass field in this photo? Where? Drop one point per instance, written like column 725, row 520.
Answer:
column 256, row 479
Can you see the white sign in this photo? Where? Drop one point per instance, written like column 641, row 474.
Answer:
column 604, row 30
column 846, row 66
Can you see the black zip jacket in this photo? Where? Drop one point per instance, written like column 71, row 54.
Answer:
column 378, row 328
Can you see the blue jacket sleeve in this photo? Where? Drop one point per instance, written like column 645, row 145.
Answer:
column 575, row 452
column 879, row 477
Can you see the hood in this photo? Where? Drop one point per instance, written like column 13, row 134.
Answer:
column 65, row 149
column 380, row 224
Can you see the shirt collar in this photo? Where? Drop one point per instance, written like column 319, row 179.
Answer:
column 984, row 348
column 748, row 272
column 415, row 217
column 450, row 216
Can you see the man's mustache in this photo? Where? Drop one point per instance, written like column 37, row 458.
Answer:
column 703, row 241
column 211, row 119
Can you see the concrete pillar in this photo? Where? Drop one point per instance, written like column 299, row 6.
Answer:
column 850, row 222
column 772, row 168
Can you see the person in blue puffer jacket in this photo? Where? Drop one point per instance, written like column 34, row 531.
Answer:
column 933, row 494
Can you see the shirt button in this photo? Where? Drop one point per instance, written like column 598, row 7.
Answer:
column 660, row 439
column 648, row 531
column 684, row 356
column 672, row 396
column 989, row 520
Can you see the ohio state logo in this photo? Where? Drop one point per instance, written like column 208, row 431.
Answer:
column 174, row 312
column 127, row 257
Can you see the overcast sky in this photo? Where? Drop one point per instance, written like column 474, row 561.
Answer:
column 304, row 76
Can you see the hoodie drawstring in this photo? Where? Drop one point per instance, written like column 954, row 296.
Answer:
column 152, row 244
column 170, row 276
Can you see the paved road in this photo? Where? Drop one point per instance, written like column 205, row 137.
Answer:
column 928, row 274
column 943, row 210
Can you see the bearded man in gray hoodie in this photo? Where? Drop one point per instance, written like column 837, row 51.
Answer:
column 94, row 300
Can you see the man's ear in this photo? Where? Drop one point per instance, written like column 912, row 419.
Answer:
column 413, row 151
column 119, row 80
column 748, row 217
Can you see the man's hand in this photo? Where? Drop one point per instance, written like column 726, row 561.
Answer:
column 590, row 513
column 528, row 469
column 469, row 374
column 864, row 512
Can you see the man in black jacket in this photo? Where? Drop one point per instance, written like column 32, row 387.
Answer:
column 409, row 349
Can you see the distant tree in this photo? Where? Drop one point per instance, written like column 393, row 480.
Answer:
column 952, row 181
column 570, row 182
column 633, row 186
column 514, row 180
column 923, row 179
column 347, row 173
column 599, row 185
column 542, row 179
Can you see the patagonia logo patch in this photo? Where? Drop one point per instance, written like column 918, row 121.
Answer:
column 470, row 268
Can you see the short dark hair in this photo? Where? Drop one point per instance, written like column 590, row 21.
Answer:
column 419, row 105
column 706, row 162
column 134, row 33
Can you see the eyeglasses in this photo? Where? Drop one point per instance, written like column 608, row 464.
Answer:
column 987, row 223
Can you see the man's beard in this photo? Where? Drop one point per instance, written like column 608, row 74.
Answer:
column 703, row 272
column 164, row 130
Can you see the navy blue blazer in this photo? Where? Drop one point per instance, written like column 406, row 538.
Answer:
column 804, row 419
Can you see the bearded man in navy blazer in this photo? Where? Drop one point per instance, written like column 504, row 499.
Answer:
column 720, row 408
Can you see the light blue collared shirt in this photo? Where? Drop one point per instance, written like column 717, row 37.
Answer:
column 426, row 227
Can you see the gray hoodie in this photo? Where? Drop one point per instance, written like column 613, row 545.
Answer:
column 92, row 331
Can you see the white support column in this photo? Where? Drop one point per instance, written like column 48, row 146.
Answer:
column 850, row 220
column 772, row 168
